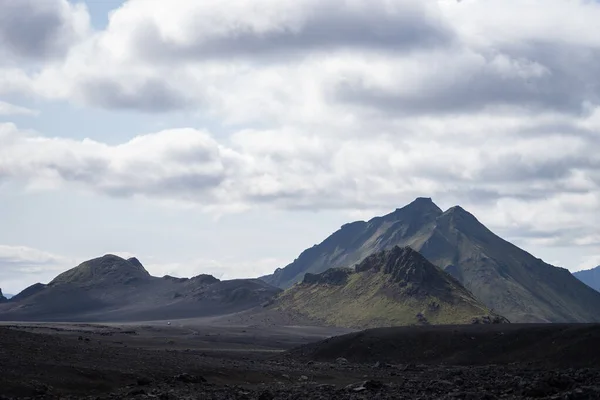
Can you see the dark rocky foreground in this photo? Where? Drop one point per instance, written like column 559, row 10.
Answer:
column 197, row 362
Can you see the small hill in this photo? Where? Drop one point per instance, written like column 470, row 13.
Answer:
column 542, row 345
column 110, row 288
column 389, row 288
column 107, row 270
column 502, row 276
column 590, row 277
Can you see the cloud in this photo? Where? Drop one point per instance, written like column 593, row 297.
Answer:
column 212, row 29
column 184, row 164
column 589, row 262
column 346, row 104
column 395, row 57
column 11, row 109
column 22, row 266
column 502, row 174
column 39, row 30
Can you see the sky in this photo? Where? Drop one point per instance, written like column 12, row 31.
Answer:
column 226, row 137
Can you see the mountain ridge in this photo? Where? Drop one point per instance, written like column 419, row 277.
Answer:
column 590, row 277
column 389, row 288
column 110, row 288
column 507, row 279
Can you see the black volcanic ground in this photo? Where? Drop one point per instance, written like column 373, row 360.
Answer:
column 195, row 359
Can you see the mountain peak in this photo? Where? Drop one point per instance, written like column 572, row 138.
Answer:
column 422, row 204
column 205, row 279
column 457, row 210
column 136, row 262
column 460, row 217
column 106, row 269
column 402, row 264
column 2, row 298
column 420, row 209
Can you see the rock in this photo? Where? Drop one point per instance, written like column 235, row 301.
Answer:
column 325, row 386
column 341, row 361
column 370, row 385
column 303, row 378
column 187, row 378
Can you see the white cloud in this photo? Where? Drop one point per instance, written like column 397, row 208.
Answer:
column 223, row 269
column 589, row 262
column 502, row 175
column 21, row 266
column 347, row 104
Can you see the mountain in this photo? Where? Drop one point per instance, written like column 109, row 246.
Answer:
column 2, row 297
column 110, row 288
column 590, row 277
column 389, row 288
column 505, row 278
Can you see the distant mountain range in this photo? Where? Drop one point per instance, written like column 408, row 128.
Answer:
column 506, row 279
column 389, row 288
column 416, row 265
column 590, row 277
column 111, row 288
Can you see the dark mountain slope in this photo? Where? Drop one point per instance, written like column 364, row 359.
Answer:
column 2, row 298
column 408, row 226
column 590, row 277
column 111, row 288
column 502, row 276
column 389, row 288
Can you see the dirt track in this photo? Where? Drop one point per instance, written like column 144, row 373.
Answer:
column 209, row 362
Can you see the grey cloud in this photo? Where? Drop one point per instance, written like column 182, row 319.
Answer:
column 331, row 26
column 571, row 81
column 515, row 168
column 185, row 186
column 36, row 30
column 21, row 266
column 150, row 95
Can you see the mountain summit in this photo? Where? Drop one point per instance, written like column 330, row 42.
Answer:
column 389, row 288
column 505, row 278
column 109, row 269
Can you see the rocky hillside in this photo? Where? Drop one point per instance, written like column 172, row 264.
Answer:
column 505, row 278
column 389, row 288
column 111, row 288
column 590, row 277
